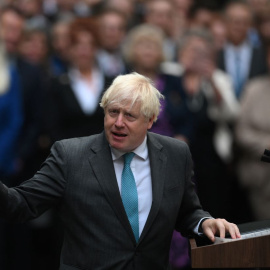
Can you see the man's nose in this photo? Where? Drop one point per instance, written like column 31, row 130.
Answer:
column 119, row 122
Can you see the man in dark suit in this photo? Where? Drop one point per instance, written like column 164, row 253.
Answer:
column 106, row 226
column 241, row 59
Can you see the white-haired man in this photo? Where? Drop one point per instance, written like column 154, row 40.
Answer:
column 121, row 193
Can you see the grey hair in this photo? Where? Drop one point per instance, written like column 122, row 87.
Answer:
column 141, row 33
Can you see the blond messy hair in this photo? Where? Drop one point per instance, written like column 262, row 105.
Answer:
column 133, row 88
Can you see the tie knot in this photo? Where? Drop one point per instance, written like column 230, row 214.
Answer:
column 128, row 157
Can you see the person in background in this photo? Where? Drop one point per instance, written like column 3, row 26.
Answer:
column 112, row 31
column 263, row 26
column 10, row 116
column 126, row 7
column 181, row 10
column 239, row 57
column 32, row 11
column 252, row 135
column 12, row 24
column 257, row 7
column 201, row 112
column 75, row 95
column 60, row 43
column 34, row 47
column 218, row 31
column 200, row 16
column 160, row 13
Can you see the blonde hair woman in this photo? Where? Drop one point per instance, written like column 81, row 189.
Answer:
column 143, row 51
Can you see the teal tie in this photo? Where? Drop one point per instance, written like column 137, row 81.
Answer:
column 129, row 195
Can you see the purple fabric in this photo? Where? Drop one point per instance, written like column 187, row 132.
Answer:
column 179, row 257
column 162, row 125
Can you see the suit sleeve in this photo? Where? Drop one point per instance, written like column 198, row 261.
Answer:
column 43, row 191
column 191, row 211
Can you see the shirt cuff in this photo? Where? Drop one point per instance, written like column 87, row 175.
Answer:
column 196, row 230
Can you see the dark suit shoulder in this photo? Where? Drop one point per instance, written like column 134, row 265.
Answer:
column 78, row 143
column 167, row 142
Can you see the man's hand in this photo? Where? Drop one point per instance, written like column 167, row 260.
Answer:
column 212, row 227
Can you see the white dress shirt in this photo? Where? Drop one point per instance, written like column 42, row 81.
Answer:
column 140, row 167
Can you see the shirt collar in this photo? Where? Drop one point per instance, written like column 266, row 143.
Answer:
column 242, row 46
column 141, row 151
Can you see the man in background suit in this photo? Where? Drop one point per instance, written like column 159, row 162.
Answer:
column 239, row 57
column 82, row 179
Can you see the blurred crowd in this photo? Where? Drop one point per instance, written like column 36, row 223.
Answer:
column 211, row 61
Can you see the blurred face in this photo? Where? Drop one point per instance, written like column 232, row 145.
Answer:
column 112, row 28
column 194, row 54
column 238, row 22
column 258, row 5
column 264, row 30
column 125, row 6
column 83, row 50
column 34, row 49
column 125, row 127
column 219, row 33
column 161, row 15
column 147, row 54
column 29, row 7
column 11, row 31
column 61, row 41
column 182, row 6
column 203, row 18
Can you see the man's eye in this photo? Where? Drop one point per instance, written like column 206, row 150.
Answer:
column 113, row 112
column 130, row 117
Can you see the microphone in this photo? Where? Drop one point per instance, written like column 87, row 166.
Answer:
column 266, row 156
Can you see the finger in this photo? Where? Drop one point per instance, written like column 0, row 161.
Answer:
column 234, row 231
column 209, row 233
column 221, row 227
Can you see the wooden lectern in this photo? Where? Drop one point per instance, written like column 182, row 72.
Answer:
column 244, row 253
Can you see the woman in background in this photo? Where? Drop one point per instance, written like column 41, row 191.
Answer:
column 201, row 112
column 144, row 54
column 75, row 95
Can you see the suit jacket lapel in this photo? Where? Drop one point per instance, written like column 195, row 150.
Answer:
column 102, row 165
column 158, row 162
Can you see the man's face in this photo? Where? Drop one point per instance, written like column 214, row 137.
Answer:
column 112, row 27
column 238, row 22
column 11, row 30
column 161, row 15
column 125, row 127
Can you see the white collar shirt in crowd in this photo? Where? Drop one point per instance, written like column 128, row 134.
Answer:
column 238, row 61
column 87, row 93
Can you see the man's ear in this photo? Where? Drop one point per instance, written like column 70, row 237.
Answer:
column 150, row 122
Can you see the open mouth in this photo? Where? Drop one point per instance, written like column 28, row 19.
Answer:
column 119, row 134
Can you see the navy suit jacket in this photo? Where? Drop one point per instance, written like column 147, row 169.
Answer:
column 79, row 179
